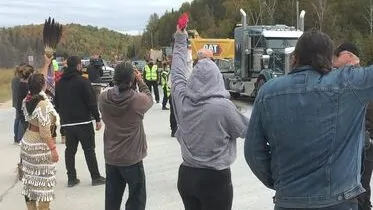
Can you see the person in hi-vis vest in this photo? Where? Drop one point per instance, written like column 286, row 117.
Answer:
column 164, row 84
column 151, row 78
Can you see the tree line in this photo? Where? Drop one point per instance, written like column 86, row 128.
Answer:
column 17, row 43
column 342, row 20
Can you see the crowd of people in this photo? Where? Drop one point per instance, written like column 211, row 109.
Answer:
column 308, row 137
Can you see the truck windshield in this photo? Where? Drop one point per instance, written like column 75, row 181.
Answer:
column 281, row 43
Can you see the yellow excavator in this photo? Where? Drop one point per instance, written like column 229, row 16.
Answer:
column 221, row 48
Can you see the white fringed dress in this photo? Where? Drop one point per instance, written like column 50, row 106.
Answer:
column 39, row 177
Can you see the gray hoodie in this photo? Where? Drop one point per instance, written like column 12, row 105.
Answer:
column 208, row 122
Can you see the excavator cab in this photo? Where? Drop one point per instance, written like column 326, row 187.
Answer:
column 193, row 34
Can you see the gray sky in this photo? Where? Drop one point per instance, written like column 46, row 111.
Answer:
column 129, row 16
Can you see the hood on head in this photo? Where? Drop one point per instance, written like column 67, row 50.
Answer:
column 206, row 82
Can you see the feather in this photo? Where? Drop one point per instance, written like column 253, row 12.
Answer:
column 52, row 33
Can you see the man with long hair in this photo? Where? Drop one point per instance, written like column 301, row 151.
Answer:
column 306, row 130
column 125, row 146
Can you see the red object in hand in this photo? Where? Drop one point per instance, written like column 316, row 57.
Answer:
column 183, row 21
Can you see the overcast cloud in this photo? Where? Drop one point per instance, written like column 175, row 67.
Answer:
column 129, row 16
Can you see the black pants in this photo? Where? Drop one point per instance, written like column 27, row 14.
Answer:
column 364, row 198
column 205, row 189
column 84, row 134
column 153, row 84
column 15, row 127
column 62, row 131
column 116, row 179
column 347, row 205
column 173, row 123
column 165, row 97
column 21, row 129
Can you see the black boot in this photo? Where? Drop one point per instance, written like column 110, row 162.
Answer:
column 73, row 182
column 99, row 181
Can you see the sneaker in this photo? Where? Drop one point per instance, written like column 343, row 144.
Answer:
column 165, row 108
column 99, row 181
column 73, row 182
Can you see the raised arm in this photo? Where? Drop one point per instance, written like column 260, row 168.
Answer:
column 144, row 100
column 359, row 80
column 46, row 66
column 178, row 70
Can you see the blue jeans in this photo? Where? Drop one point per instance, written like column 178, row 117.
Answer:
column 348, row 205
column 117, row 177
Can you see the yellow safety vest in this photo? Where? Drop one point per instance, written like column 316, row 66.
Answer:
column 55, row 65
column 164, row 82
column 151, row 74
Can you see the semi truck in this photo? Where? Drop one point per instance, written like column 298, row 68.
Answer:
column 262, row 53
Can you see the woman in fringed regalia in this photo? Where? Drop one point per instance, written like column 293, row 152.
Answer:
column 38, row 150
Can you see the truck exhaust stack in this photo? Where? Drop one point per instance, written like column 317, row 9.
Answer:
column 243, row 16
column 301, row 22
column 245, row 45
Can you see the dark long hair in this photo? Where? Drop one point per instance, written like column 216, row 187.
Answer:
column 315, row 49
column 36, row 84
column 124, row 76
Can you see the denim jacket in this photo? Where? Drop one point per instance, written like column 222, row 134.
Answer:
column 306, row 135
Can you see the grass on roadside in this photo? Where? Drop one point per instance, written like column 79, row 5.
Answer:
column 6, row 76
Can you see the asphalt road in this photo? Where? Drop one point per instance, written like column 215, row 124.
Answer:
column 161, row 166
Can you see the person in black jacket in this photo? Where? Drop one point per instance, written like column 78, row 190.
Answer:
column 25, row 72
column 76, row 103
column 15, row 86
column 95, row 73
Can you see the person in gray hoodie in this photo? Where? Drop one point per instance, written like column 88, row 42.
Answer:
column 208, row 126
column 125, row 146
